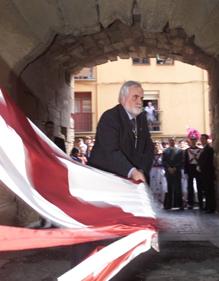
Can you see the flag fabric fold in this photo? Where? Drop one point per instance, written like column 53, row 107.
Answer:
column 86, row 204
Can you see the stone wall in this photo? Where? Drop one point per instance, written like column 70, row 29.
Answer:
column 125, row 41
column 43, row 93
column 214, row 117
column 28, row 28
column 8, row 206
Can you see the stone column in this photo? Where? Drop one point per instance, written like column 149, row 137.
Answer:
column 214, row 117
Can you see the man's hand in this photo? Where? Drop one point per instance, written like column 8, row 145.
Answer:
column 171, row 170
column 137, row 175
column 198, row 169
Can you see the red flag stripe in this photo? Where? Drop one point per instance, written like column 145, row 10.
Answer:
column 18, row 238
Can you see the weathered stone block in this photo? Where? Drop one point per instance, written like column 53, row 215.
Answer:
column 114, row 10
column 155, row 14
column 25, row 214
column 8, row 213
column 80, row 18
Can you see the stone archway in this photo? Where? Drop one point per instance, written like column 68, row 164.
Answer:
column 68, row 54
column 43, row 42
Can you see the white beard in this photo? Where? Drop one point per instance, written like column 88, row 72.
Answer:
column 135, row 111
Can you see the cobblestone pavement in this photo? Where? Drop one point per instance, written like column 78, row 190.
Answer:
column 189, row 249
column 189, row 225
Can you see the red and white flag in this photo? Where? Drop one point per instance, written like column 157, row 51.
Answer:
column 86, row 204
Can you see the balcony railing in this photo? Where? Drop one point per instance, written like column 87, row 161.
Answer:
column 82, row 122
column 155, row 125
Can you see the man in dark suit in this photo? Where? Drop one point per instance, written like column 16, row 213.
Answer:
column 173, row 162
column 49, row 130
column 207, row 170
column 123, row 144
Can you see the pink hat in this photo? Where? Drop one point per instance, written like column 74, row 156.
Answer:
column 193, row 134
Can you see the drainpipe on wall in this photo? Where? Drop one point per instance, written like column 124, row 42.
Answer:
column 96, row 112
column 204, row 102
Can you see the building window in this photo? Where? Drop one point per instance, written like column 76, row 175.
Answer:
column 150, row 104
column 162, row 60
column 139, row 61
column 82, row 112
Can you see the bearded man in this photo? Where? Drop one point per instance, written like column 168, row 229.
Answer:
column 123, row 145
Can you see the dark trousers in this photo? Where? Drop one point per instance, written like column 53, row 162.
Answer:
column 209, row 189
column 174, row 191
column 194, row 174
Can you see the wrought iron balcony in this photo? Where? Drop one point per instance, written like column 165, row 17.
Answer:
column 82, row 122
column 155, row 125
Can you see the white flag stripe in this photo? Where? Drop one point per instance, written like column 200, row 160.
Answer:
column 2, row 99
column 128, row 196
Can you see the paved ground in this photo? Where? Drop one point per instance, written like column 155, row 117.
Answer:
column 189, row 225
column 189, row 249
column 189, row 242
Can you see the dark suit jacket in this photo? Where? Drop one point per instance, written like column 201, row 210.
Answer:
column 206, row 161
column 114, row 148
column 60, row 143
column 173, row 159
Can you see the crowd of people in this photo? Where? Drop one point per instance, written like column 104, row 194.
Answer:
column 183, row 174
column 82, row 149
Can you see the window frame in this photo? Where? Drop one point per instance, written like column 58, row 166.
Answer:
column 141, row 61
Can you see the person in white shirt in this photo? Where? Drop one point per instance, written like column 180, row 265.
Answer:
column 151, row 118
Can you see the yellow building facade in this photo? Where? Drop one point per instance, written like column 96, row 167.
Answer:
column 178, row 91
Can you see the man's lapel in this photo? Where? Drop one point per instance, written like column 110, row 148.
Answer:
column 126, row 124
